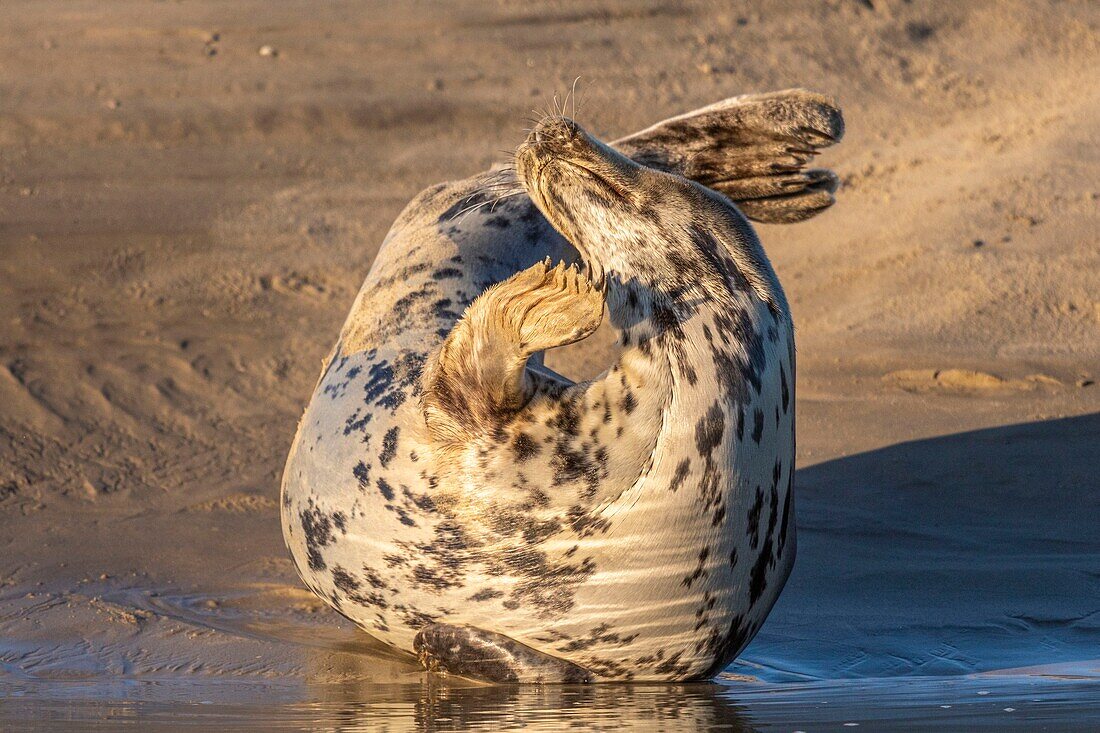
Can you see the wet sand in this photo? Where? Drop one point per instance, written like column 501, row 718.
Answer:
column 184, row 222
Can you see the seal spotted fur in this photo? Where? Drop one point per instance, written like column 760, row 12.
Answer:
column 454, row 498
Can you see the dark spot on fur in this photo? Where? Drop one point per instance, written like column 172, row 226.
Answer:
column 567, row 419
column 709, row 430
column 385, row 489
column 379, row 380
column 584, row 523
column 665, row 321
column 680, row 475
column 344, row 580
column 700, row 569
column 758, row 576
column 785, row 392
column 429, row 578
column 629, row 402
column 783, row 526
column 358, row 423
column 673, row 667
column 719, row 515
column 389, row 446
column 524, row 447
column 317, row 527
column 757, row 426
column 362, row 474
column 442, row 309
column 754, row 518
column 723, row 648
column 600, row 634
column 486, row 594
column 572, row 464
column 535, row 532
column 402, row 515
column 394, row 560
column 423, row 502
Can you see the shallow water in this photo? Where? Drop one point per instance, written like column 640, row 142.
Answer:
column 350, row 683
column 957, row 703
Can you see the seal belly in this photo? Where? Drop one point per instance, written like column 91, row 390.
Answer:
column 687, row 560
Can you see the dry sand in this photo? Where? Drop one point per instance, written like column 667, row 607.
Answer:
column 184, row 221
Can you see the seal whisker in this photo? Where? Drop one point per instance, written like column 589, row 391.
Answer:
column 462, row 214
column 572, row 95
column 505, row 196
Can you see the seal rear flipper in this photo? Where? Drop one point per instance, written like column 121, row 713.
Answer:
column 809, row 193
column 478, row 379
column 752, row 148
column 470, row 652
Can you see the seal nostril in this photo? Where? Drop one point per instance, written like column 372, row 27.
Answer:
column 555, row 130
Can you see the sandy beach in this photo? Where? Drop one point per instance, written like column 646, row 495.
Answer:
column 191, row 193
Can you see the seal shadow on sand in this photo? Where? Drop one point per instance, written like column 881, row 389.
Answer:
column 952, row 555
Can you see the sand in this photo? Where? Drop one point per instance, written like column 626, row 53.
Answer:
column 191, row 193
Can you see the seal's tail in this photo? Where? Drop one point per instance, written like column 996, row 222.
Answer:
column 753, row 148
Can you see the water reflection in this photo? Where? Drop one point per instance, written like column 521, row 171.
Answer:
column 371, row 690
column 438, row 706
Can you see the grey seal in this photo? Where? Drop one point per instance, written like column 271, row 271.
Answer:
column 457, row 499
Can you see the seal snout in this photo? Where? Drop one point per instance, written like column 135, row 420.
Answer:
column 562, row 148
column 553, row 130
column 554, row 139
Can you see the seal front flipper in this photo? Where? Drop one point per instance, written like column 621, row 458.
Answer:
column 470, row 652
column 478, row 378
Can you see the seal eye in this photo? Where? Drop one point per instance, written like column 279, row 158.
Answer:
column 606, row 182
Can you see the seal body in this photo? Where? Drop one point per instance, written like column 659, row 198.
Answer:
column 453, row 497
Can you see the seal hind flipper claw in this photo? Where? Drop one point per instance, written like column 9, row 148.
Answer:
column 478, row 379
column 470, row 652
column 752, row 148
